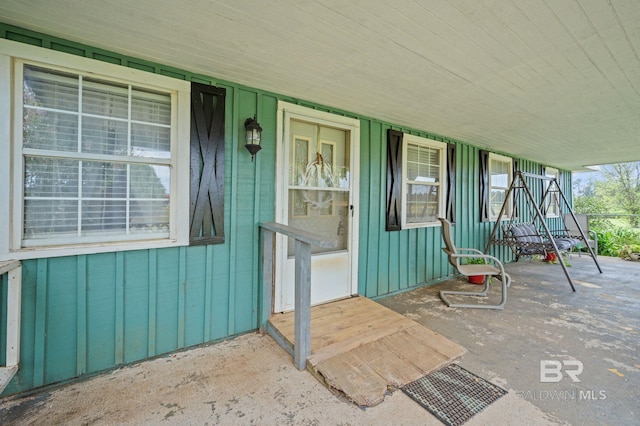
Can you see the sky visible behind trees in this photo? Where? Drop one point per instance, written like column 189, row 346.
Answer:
column 614, row 189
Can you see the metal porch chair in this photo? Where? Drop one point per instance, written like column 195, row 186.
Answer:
column 491, row 268
column 573, row 229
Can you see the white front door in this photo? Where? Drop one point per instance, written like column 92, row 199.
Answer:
column 316, row 191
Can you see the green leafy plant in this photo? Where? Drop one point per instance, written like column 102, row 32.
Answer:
column 474, row 261
column 629, row 251
column 612, row 239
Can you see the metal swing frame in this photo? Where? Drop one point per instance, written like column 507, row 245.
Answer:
column 552, row 190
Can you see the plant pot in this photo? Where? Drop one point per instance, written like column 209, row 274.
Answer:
column 476, row 279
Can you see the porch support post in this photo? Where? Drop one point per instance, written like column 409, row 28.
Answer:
column 302, row 317
column 13, row 269
column 14, row 298
column 267, row 277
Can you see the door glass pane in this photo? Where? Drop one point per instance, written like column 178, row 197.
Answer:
column 319, row 183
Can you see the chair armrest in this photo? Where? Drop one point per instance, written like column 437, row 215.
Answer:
column 489, row 260
column 471, row 250
column 481, row 255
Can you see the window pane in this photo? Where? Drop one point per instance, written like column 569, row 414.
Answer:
column 55, row 131
column 150, row 199
column 49, row 177
column 497, row 200
column 150, row 141
column 150, row 182
column 107, row 100
column 423, row 163
column 50, row 218
column 327, row 154
column 300, row 160
column 50, row 89
column 150, row 107
column 500, row 171
column 149, row 216
column 104, row 136
column 104, row 215
column 104, row 180
column 422, row 203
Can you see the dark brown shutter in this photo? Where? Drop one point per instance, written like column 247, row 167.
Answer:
column 484, row 186
column 394, row 180
column 207, row 165
column 451, row 183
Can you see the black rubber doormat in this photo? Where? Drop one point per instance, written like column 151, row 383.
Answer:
column 453, row 394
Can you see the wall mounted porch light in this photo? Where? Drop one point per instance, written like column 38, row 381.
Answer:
column 253, row 136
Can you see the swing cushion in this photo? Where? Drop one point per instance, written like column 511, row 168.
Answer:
column 530, row 241
column 526, row 233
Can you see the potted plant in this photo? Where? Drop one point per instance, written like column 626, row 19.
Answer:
column 475, row 279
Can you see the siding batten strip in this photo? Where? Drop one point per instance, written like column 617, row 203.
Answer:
column 119, row 300
column 182, row 292
column 40, row 322
column 208, row 284
column 81, row 316
column 233, row 234
column 153, row 301
column 256, row 229
column 375, row 227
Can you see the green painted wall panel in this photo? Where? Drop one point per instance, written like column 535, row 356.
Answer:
column 195, row 308
column 101, row 320
column 60, row 341
column 136, row 305
column 167, row 294
column 83, row 314
column 219, row 324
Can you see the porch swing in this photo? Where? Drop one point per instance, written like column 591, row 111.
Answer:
column 534, row 237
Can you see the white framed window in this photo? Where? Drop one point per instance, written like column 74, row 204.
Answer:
column 94, row 155
column 500, row 177
column 423, row 181
column 552, row 205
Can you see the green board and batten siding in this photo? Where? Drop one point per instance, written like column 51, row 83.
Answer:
column 88, row 313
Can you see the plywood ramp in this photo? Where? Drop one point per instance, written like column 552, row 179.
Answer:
column 361, row 348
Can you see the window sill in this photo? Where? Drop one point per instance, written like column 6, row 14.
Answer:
column 81, row 249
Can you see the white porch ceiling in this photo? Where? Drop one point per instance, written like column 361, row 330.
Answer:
column 556, row 81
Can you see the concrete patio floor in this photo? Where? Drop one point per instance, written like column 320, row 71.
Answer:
column 543, row 319
column 251, row 380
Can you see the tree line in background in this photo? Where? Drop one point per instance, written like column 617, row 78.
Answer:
column 613, row 205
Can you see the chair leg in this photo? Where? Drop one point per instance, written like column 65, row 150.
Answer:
column 505, row 281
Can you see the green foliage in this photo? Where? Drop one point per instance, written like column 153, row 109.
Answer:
column 613, row 239
column 621, row 188
column 592, row 205
column 474, row 261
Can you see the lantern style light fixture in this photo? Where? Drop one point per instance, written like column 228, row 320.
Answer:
column 253, row 136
